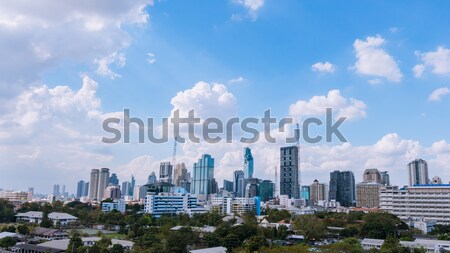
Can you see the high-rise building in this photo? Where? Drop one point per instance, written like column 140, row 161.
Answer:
column 93, row 184
column 372, row 175
column 248, row 163
column 186, row 185
column 203, row 177
column 228, row 185
column 165, row 172
column 266, row 190
column 103, row 181
column 112, row 192
column 239, row 183
column 31, row 191
column 56, row 191
column 418, row 172
column 252, row 188
column 368, row 194
column 179, row 174
column 385, row 178
column 289, row 158
column 113, row 180
column 132, row 184
column 305, row 193
column 317, row 192
column 342, row 187
column 82, row 189
column 126, row 188
column 140, row 192
column 63, row 191
column 152, row 179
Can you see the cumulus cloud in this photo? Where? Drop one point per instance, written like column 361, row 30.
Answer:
column 437, row 94
column 44, row 34
column 438, row 61
column 104, row 64
column 373, row 60
column 324, row 67
column 316, row 105
column 253, row 6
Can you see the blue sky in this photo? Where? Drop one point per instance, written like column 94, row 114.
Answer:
column 269, row 48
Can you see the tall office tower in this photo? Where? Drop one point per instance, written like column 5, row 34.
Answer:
column 112, row 192
column 305, row 193
column 80, row 188
column 385, row 178
column 203, row 175
column 266, row 190
column 248, row 163
column 372, row 175
column 239, row 183
column 56, row 190
column 113, row 180
column 126, row 188
column 214, row 186
column 63, row 190
column 228, row 185
column 165, row 172
column 252, row 188
column 342, row 187
column 186, row 185
column 140, row 191
column 31, row 191
column 179, row 174
column 152, row 179
column 418, row 172
column 93, row 184
column 317, row 192
column 132, row 184
column 289, row 184
column 103, row 181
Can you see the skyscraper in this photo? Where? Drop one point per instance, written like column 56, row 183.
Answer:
column 368, row 194
column 342, row 187
column 317, row 192
column 372, row 175
column 112, row 192
column 248, row 163
column 113, row 180
column 252, row 188
column 289, row 185
column 239, row 183
column 103, row 181
column 82, row 189
column 227, row 185
column 266, row 190
column 165, row 172
column 385, row 178
column 152, row 179
column 418, row 172
column 203, row 176
column 126, row 188
column 132, row 184
column 179, row 174
column 93, row 184
column 56, row 191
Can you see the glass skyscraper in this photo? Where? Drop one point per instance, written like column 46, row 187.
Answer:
column 203, row 177
column 248, row 163
column 289, row 169
column 342, row 187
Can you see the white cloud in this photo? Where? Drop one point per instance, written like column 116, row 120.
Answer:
column 324, row 67
column 375, row 81
column 42, row 35
column 438, row 61
column 373, row 60
column 253, row 6
column 437, row 94
column 315, row 106
column 151, row 58
column 104, row 64
column 239, row 79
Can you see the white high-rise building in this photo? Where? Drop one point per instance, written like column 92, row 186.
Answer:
column 103, row 182
column 418, row 172
column 93, row 184
column 165, row 172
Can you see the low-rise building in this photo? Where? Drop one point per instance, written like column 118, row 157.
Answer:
column 166, row 203
column 36, row 217
column 118, row 205
column 430, row 246
column 229, row 205
column 16, row 196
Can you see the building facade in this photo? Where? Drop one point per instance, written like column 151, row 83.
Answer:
column 372, row 175
column 418, row 172
column 289, row 171
column 342, row 187
column 317, row 192
column 82, row 189
column 248, row 163
column 203, row 177
column 239, row 183
column 165, row 172
column 180, row 174
column 368, row 194
column 266, row 190
column 93, row 184
column 158, row 205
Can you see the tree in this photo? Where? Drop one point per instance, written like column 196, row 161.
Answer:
column 212, row 240
column 255, row 243
column 104, row 243
column 46, row 222
column 310, row 226
column 11, row 229
column 117, row 248
column 381, row 225
column 23, row 229
column 177, row 241
column 231, row 241
column 348, row 245
column 7, row 242
column 75, row 242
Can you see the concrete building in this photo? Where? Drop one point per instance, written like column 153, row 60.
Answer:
column 418, row 172
column 180, row 174
column 112, row 192
column 203, row 177
column 289, row 171
column 93, row 184
column 113, row 180
column 55, row 217
column 158, row 205
column 342, row 187
column 118, row 205
column 140, row 191
column 228, row 185
column 230, row 206
column 317, row 192
column 16, row 196
column 430, row 246
column 385, row 178
column 152, row 179
column 426, row 202
column 82, row 189
column 103, row 182
column 372, row 175
column 368, row 194
column 165, row 172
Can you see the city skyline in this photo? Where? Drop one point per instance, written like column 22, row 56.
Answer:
column 389, row 78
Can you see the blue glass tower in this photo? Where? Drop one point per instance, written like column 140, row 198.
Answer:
column 203, row 177
column 248, row 163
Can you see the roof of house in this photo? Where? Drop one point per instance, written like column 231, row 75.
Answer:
column 210, row 250
column 62, row 244
column 40, row 231
column 8, row 234
column 53, row 215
